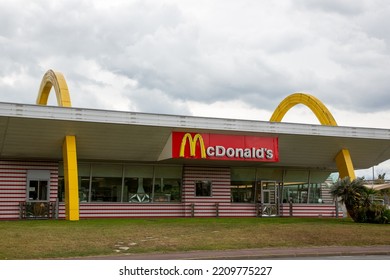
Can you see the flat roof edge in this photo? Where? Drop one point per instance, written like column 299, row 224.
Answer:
column 185, row 122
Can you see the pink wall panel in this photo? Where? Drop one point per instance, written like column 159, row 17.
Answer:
column 13, row 184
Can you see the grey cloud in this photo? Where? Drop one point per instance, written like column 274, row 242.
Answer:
column 334, row 50
column 346, row 7
column 151, row 101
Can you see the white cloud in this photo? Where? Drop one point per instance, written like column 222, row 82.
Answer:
column 234, row 109
column 254, row 51
column 229, row 58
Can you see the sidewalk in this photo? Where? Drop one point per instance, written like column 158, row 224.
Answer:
column 265, row 253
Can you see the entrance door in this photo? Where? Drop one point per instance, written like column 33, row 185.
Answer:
column 267, row 198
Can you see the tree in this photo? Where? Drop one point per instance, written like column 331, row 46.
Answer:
column 351, row 193
column 358, row 201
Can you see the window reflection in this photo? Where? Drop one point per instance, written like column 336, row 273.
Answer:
column 37, row 190
column 242, row 191
column 106, row 189
column 298, row 186
column 138, row 189
column 203, row 188
column 167, row 190
column 125, row 183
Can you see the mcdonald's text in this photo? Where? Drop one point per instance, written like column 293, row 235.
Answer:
column 224, row 147
column 247, row 153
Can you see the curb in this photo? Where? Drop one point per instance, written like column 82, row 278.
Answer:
column 248, row 254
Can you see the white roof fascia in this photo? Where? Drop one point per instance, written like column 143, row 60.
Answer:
column 187, row 122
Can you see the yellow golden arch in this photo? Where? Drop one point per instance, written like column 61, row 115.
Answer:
column 343, row 157
column 57, row 80
column 192, row 142
column 69, row 153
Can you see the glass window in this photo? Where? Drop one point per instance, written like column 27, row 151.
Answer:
column 319, row 191
column 203, row 188
column 84, row 172
column 315, row 193
column 106, row 183
column 167, row 190
column 138, row 183
column 242, row 184
column 167, row 185
column 296, row 176
column 269, row 174
column 298, row 189
column 84, row 178
column 38, row 184
column 243, row 192
column 295, row 186
column 37, row 190
column 61, row 189
column 61, row 183
column 243, row 174
column 319, row 176
column 295, row 192
column 168, row 171
column 138, row 189
column 125, row 183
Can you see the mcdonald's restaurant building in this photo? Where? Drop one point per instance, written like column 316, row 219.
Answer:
column 73, row 163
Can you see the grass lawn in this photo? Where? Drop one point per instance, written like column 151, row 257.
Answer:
column 48, row 239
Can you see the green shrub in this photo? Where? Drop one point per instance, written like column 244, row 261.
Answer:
column 375, row 213
column 386, row 216
column 357, row 200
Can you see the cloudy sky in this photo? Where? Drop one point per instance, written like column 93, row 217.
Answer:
column 217, row 58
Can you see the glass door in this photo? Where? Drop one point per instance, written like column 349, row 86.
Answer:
column 267, row 198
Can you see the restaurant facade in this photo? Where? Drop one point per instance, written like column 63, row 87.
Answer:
column 61, row 162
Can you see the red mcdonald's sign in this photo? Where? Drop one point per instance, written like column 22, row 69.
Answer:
column 224, row 147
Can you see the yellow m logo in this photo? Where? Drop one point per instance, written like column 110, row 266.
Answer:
column 192, row 142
